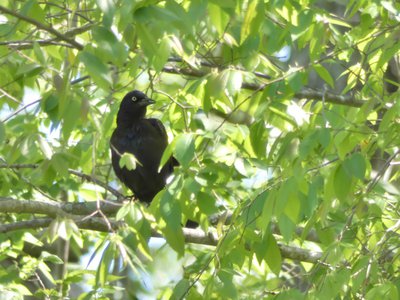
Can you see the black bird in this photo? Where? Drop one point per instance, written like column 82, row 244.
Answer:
column 146, row 139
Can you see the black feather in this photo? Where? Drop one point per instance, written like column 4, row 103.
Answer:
column 146, row 139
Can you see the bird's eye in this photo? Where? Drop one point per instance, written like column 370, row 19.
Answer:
column 134, row 98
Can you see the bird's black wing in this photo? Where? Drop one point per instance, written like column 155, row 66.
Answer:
column 159, row 126
column 161, row 129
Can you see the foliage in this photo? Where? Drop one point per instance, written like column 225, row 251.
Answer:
column 297, row 158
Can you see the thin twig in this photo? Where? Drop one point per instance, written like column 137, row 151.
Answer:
column 71, row 171
column 21, row 109
column 42, row 26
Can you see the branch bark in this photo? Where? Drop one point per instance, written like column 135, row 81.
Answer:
column 194, row 236
column 79, row 212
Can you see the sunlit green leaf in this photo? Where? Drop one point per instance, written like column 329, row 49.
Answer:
column 383, row 291
column 342, row 183
column 234, row 82
column 184, row 149
column 355, row 165
column 39, row 53
column 2, row 133
column 181, row 289
column 251, row 13
column 324, row 74
column 97, row 69
column 128, row 160
column 45, row 147
column 218, row 17
column 170, row 211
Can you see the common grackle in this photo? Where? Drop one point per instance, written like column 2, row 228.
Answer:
column 146, row 139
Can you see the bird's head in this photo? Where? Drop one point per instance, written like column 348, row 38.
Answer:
column 134, row 105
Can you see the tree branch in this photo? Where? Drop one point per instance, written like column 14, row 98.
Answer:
column 54, row 209
column 42, row 26
column 194, row 236
column 10, row 205
column 111, row 207
column 211, row 65
column 329, row 97
column 304, row 94
column 22, row 45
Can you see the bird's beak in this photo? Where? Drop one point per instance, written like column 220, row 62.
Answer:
column 147, row 101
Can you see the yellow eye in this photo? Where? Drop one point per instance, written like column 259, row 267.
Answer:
column 134, row 98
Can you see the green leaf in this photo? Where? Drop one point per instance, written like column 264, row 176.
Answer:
column 308, row 145
column 342, row 183
column 39, row 53
column 45, row 270
column 171, row 213
column 387, row 291
column 105, row 264
column 333, row 284
column 122, row 212
column 292, row 208
column 268, row 209
column 62, row 230
column 285, row 192
column 30, row 238
column 162, row 54
column 60, row 164
column 45, row 147
column 46, row 256
column 184, row 149
column 166, row 154
column 108, row 46
column 33, row 10
column 97, row 70
column 70, row 116
column 324, row 137
column 268, row 250
column 251, row 13
column 180, row 289
column 311, row 201
column 49, row 103
column 388, row 54
column 214, row 89
column 286, row 227
column 2, row 133
column 128, row 160
column 148, row 40
column 29, row 70
column 206, row 203
column 234, row 82
column 273, row 254
column 52, row 230
column 228, row 289
column 345, row 143
column 355, row 165
column 258, row 138
column 296, row 80
column 325, row 75
column 218, row 17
